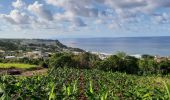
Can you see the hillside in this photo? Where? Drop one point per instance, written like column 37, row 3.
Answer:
column 34, row 44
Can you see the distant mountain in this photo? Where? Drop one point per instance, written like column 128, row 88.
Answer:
column 35, row 44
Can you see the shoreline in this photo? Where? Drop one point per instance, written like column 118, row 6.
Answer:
column 133, row 55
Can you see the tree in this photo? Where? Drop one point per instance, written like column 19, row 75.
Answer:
column 61, row 60
column 148, row 66
column 164, row 67
column 131, row 65
column 1, row 60
column 121, row 55
column 106, row 65
column 87, row 60
column 146, row 56
column 113, row 63
column 153, row 66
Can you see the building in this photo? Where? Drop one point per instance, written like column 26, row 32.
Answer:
column 159, row 59
column 34, row 54
column 37, row 54
column 102, row 55
column 10, row 53
column 9, row 57
column 2, row 53
column 76, row 53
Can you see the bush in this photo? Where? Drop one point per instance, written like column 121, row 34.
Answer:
column 86, row 60
column 113, row 63
column 148, row 66
column 146, row 56
column 164, row 67
column 61, row 60
column 44, row 65
column 131, row 65
column 120, row 62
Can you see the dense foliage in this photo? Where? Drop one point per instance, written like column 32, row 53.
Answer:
column 86, row 77
column 76, row 84
column 83, row 60
column 120, row 62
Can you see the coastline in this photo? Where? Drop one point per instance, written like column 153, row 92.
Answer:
column 139, row 56
column 131, row 45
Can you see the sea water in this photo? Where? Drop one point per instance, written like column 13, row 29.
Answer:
column 130, row 45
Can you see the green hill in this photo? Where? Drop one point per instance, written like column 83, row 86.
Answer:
column 34, row 44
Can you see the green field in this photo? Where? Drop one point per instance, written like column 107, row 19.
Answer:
column 75, row 84
column 17, row 65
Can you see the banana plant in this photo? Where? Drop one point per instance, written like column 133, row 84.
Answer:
column 3, row 94
column 167, row 88
column 52, row 95
column 90, row 93
column 75, row 86
column 91, row 87
column 104, row 96
column 67, row 90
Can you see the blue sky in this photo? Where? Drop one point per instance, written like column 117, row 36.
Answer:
column 84, row 18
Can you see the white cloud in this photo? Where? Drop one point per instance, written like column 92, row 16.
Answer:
column 70, row 17
column 99, row 21
column 136, row 5
column 78, row 22
column 121, row 8
column 80, row 13
column 18, row 4
column 161, row 18
column 81, row 8
column 19, row 20
column 40, row 11
column 17, row 17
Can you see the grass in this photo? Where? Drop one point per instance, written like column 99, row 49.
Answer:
column 16, row 65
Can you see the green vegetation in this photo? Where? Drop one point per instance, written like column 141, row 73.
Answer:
column 34, row 44
column 86, row 77
column 119, row 62
column 76, row 84
column 22, row 60
column 16, row 65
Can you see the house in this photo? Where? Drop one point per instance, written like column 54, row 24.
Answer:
column 101, row 55
column 10, row 53
column 46, row 55
column 76, row 53
column 33, row 54
column 9, row 57
column 37, row 54
column 2, row 52
column 159, row 59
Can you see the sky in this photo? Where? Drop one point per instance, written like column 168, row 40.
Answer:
column 84, row 18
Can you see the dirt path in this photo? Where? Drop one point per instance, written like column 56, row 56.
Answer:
column 21, row 72
column 35, row 72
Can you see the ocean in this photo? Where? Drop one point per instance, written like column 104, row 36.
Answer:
column 130, row 45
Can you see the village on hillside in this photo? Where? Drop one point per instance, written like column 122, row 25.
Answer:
column 32, row 48
column 38, row 54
